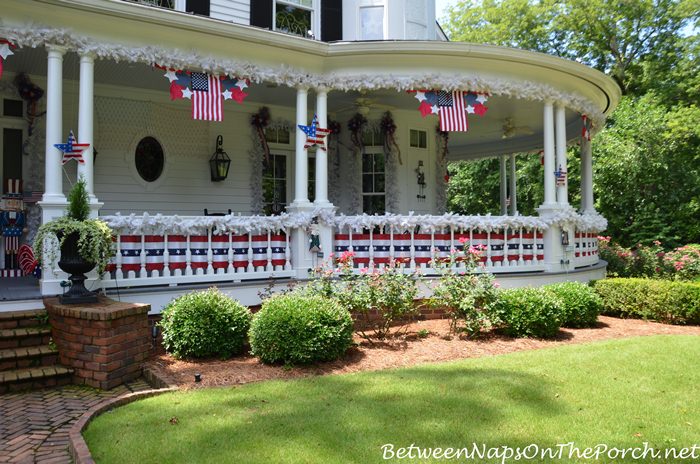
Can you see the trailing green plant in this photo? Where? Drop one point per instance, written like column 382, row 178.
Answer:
column 464, row 293
column 298, row 328
column 527, row 312
column 204, row 323
column 580, row 304
column 94, row 236
column 667, row 301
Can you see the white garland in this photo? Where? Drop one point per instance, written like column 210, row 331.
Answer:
column 291, row 77
column 200, row 225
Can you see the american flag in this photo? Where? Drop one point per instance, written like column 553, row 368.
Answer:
column 560, row 175
column 453, row 115
column 72, row 149
column 206, row 97
column 586, row 127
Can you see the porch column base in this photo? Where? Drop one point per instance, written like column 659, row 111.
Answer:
column 52, row 208
column 95, row 207
column 558, row 257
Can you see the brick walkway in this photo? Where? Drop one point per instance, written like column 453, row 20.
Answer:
column 34, row 425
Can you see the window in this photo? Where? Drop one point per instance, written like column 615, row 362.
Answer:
column 373, row 195
column 275, row 184
column 372, row 23
column 149, row 159
column 11, row 154
column 12, row 108
column 294, row 16
column 311, row 190
column 418, row 139
column 277, row 136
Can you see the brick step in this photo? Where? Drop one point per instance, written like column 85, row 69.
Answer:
column 28, row 318
column 24, row 337
column 34, row 378
column 32, row 356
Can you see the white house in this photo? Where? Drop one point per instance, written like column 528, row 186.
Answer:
column 124, row 77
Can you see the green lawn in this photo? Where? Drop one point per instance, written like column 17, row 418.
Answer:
column 621, row 393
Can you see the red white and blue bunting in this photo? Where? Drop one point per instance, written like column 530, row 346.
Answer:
column 452, row 108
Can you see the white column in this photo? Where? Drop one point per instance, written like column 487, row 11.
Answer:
column 301, row 171
column 53, row 201
column 504, row 184
column 549, row 168
column 560, row 124
column 513, row 187
column 86, row 122
column 587, row 204
column 321, row 155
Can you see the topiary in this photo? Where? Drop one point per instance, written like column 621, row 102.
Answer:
column 78, row 201
column 581, row 305
column 204, row 323
column 527, row 312
column 300, row 329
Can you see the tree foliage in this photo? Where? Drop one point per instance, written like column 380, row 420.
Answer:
column 647, row 158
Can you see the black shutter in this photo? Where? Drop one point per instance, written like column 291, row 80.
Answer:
column 331, row 20
column 200, row 7
column 261, row 13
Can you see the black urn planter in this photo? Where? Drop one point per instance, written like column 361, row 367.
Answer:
column 76, row 266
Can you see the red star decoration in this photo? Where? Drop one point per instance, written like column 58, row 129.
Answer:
column 175, row 91
column 480, row 109
column 238, row 95
column 425, row 108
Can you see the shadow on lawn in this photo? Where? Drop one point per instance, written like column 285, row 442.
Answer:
column 347, row 418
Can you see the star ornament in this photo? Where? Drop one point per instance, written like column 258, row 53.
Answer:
column 72, row 150
column 5, row 51
column 315, row 136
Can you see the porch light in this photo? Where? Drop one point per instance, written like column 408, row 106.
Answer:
column 219, row 163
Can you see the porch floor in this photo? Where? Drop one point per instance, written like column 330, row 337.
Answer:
column 19, row 288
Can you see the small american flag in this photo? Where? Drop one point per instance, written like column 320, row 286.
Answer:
column 206, row 97
column 453, row 116
column 72, row 150
column 586, row 127
column 560, row 175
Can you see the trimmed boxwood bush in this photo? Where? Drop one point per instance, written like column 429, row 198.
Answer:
column 300, row 329
column 527, row 312
column 580, row 304
column 666, row 301
column 204, row 323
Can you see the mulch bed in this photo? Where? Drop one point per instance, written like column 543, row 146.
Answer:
column 406, row 350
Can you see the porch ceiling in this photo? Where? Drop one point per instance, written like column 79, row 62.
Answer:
column 485, row 136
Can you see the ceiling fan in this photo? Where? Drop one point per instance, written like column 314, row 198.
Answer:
column 364, row 105
column 511, row 130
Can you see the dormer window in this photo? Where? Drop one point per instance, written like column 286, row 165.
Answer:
column 294, row 16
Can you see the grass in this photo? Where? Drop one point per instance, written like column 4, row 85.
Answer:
column 621, row 393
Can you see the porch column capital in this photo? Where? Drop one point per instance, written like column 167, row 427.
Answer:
column 86, row 57
column 56, row 49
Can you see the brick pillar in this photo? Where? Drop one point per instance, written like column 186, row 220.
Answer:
column 104, row 342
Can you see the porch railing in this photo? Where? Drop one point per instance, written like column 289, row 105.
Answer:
column 585, row 248
column 503, row 250
column 211, row 255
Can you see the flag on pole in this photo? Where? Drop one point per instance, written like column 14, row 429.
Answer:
column 452, row 108
column 206, row 97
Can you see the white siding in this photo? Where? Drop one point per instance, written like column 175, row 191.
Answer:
column 237, row 11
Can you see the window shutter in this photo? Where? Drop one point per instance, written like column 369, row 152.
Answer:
column 200, row 7
column 261, row 13
column 331, row 20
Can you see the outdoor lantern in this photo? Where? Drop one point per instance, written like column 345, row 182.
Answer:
column 219, row 163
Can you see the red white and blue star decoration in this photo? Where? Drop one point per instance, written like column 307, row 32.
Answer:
column 451, row 107
column 72, row 150
column 5, row 50
column 315, row 136
column 206, row 91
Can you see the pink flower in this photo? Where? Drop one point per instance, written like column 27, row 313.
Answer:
column 364, row 270
column 496, row 285
column 463, row 240
column 657, row 243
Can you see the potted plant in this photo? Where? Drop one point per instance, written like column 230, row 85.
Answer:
column 84, row 243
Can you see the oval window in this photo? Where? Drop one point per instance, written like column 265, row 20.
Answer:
column 149, row 159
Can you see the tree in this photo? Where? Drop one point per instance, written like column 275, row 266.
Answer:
column 616, row 37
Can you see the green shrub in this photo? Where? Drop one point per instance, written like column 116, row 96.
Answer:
column 666, row 301
column 204, row 323
column 527, row 312
column 581, row 305
column 300, row 329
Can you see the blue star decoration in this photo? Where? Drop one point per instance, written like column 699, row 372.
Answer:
column 72, row 149
column 315, row 136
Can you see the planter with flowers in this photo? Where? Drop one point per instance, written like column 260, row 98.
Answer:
column 84, row 243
